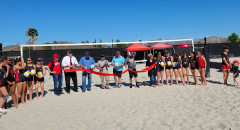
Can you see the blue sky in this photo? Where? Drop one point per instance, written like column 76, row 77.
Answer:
column 81, row 20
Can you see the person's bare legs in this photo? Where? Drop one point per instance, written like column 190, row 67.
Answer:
column 130, row 80
column 183, row 72
column 158, row 78
column 187, row 73
column 235, row 81
column 204, row 77
column 161, row 75
column 171, row 76
column 181, row 76
column 42, row 89
column 36, row 88
column 24, row 89
column 225, row 76
column 167, row 74
column 119, row 81
column 176, row 75
column 30, row 86
column 19, row 91
column 116, row 79
column 13, row 95
column 3, row 91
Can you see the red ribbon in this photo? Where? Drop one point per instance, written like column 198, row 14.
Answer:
column 107, row 74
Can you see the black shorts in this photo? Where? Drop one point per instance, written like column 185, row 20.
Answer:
column 236, row 75
column 10, row 79
column 21, row 79
column 168, row 67
column 37, row 79
column 131, row 74
column 177, row 67
column 159, row 69
column 193, row 68
column 30, row 78
column 117, row 72
column 185, row 66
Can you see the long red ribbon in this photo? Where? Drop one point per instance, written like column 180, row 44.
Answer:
column 107, row 74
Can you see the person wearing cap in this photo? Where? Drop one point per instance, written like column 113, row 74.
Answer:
column 118, row 63
column 103, row 65
column 226, row 66
column 55, row 69
column 131, row 64
column 69, row 62
column 39, row 77
column 235, row 72
column 153, row 72
column 86, row 62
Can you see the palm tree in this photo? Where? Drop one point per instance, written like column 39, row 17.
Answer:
column 32, row 34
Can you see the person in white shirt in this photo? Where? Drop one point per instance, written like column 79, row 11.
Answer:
column 69, row 62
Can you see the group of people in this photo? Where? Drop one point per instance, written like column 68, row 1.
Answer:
column 12, row 78
column 227, row 66
column 179, row 65
column 12, row 75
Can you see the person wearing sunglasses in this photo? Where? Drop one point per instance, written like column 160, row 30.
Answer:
column 39, row 77
column 55, row 69
column 202, row 65
column 29, row 80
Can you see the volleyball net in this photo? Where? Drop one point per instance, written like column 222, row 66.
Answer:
column 108, row 48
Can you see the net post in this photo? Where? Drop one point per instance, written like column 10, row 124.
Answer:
column 206, row 54
column 21, row 50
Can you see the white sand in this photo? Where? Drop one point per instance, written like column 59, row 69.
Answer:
column 169, row 107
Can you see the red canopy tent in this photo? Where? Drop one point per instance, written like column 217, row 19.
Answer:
column 137, row 47
column 184, row 45
column 161, row 46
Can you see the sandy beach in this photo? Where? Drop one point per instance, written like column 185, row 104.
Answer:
column 215, row 106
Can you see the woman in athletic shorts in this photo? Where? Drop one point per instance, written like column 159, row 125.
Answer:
column 160, row 67
column 169, row 67
column 185, row 66
column 194, row 67
column 29, row 80
column 226, row 65
column 3, row 91
column 177, row 68
column 39, row 77
column 18, row 69
column 202, row 64
column 11, row 86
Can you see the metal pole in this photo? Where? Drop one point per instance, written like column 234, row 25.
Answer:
column 193, row 45
column 21, row 50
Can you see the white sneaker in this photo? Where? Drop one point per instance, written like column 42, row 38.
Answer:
column 3, row 111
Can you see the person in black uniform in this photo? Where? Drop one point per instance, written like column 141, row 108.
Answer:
column 39, row 77
column 3, row 91
column 11, row 86
column 177, row 68
column 18, row 69
column 151, row 73
column 29, row 80
column 235, row 72
column 194, row 67
column 169, row 67
column 185, row 66
column 160, row 67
